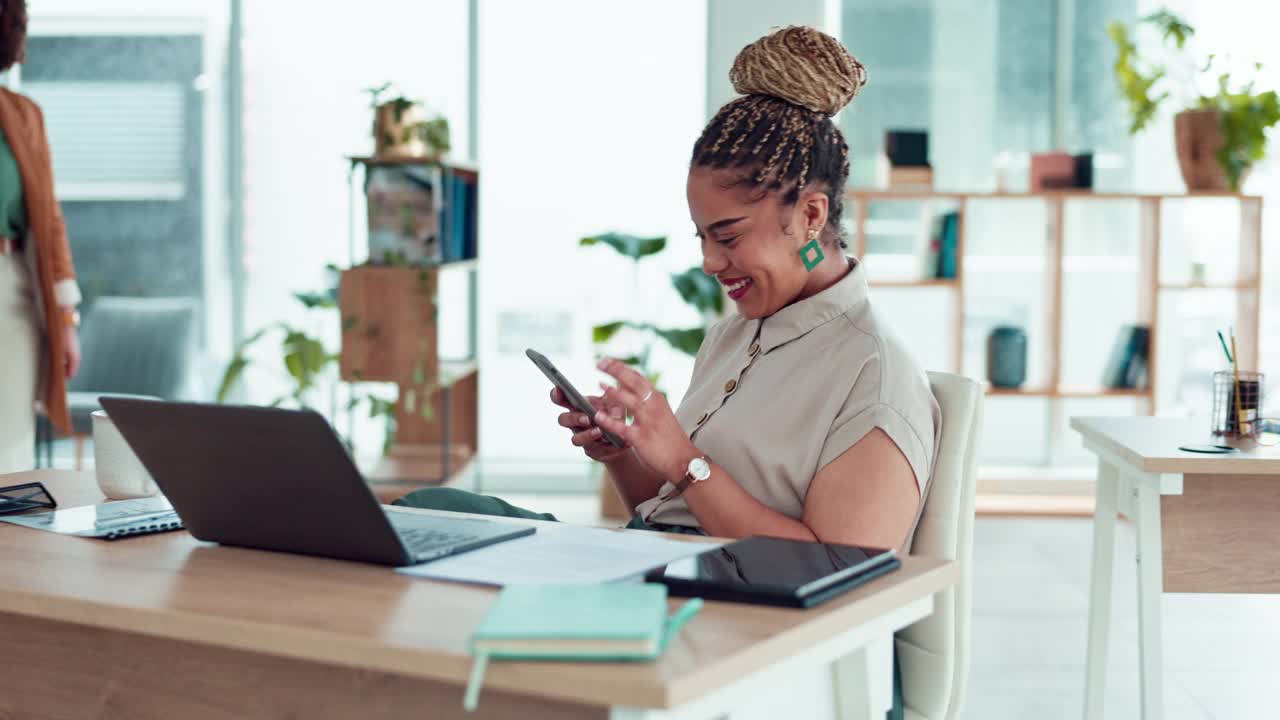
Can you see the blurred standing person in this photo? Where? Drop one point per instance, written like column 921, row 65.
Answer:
column 39, row 348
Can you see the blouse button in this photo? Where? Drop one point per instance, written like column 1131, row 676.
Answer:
column 755, row 348
column 729, row 386
column 703, row 418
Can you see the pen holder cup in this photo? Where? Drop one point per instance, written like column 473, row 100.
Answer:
column 121, row 475
column 1237, row 402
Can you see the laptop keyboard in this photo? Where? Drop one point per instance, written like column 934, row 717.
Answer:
column 424, row 541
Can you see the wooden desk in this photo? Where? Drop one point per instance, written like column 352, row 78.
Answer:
column 1204, row 523
column 165, row 626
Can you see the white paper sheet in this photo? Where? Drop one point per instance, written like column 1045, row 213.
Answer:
column 561, row 554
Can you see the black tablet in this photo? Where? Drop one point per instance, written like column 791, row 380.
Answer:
column 774, row 571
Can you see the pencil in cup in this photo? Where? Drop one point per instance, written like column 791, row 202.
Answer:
column 1237, row 402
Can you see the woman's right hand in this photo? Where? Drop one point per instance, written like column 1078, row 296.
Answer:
column 586, row 435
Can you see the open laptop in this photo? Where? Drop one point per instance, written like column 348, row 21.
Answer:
column 281, row 480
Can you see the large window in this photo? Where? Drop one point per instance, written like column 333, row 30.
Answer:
column 134, row 106
column 588, row 113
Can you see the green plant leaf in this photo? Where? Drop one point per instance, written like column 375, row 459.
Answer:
column 294, row 364
column 686, row 341
column 602, row 333
column 231, row 376
column 239, row 361
column 632, row 246
column 699, row 290
column 380, row 407
column 1244, row 119
column 1136, row 82
column 374, row 92
column 326, row 299
column 1171, row 27
column 305, row 357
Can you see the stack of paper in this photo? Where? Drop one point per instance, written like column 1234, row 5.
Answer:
column 562, row 554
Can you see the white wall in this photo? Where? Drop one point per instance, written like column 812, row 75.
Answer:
column 733, row 24
column 588, row 114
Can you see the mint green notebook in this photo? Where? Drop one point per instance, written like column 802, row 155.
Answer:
column 613, row 622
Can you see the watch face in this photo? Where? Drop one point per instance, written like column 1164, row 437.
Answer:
column 700, row 469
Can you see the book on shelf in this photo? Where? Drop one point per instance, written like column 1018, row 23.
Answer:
column 936, row 249
column 459, row 218
column 420, row 214
column 1128, row 363
column 404, row 213
column 948, row 245
column 927, row 245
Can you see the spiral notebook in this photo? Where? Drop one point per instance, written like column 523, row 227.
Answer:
column 109, row 520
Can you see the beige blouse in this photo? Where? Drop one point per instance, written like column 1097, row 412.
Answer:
column 772, row 401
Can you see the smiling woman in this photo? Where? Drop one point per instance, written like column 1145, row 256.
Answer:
column 805, row 417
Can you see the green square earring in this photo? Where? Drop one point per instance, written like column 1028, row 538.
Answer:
column 812, row 247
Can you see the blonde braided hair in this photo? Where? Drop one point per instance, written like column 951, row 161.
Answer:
column 802, row 66
column 792, row 81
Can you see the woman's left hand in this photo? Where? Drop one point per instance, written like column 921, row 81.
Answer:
column 654, row 433
column 71, row 351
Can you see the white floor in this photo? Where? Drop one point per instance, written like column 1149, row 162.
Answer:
column 1031, row 590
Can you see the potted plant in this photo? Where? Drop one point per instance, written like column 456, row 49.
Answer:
column 1220, row 130
column 402, row 128
column 695, row 287
column 312, row 367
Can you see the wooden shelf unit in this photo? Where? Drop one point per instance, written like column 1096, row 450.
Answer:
column 1028, row 496
column 1247, row 285
column 393, row 311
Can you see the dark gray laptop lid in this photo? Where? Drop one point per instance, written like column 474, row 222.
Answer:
column 264, row 478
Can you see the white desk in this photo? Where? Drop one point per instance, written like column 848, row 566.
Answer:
column 1204, row 523
column 165, row 626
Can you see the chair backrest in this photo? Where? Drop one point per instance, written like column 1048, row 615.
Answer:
column 137, row 346
column 934, row 653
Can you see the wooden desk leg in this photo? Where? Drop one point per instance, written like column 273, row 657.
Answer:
column 1150, row 591
column 1104, row 542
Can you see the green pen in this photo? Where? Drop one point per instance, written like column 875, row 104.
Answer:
column 1224, row 347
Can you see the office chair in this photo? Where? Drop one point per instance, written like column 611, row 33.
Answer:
column 934, row 653
column 134, row 347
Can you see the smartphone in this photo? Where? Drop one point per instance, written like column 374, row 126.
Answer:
column 570, row 392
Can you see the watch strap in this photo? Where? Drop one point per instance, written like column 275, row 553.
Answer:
column 683, row 485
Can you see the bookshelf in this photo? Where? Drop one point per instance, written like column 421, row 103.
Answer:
column 394, row 324
column 1152, row 282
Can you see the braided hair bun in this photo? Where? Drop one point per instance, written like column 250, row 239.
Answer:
column 801, row 65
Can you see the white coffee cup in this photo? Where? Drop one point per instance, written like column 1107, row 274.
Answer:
column 121, row 475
